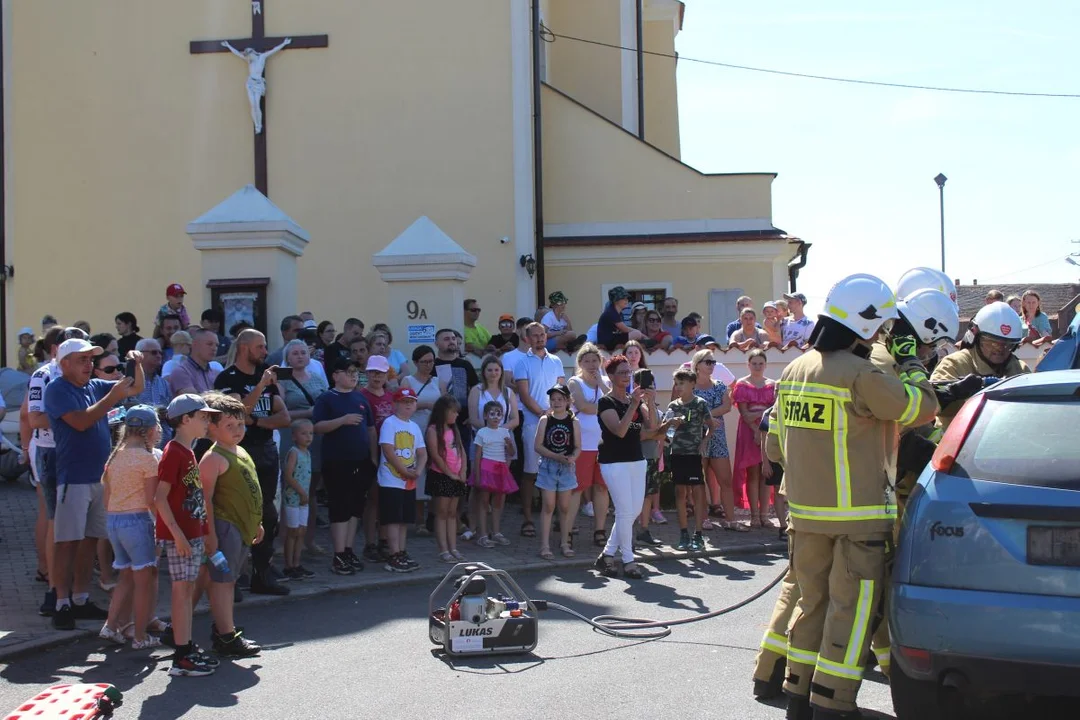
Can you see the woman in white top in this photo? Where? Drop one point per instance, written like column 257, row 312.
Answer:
column 561, row 335
column 492, row 388
column 587, row 386
column 428, row 389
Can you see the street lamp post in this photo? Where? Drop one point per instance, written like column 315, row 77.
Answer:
column 940, row 180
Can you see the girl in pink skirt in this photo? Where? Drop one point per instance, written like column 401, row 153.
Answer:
column 753, row 395
column 491, row 475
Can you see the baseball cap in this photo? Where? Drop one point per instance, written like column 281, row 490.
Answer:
column 77, row 345
column 378, row 363
column 507, row 317
column 638, row 306
column 404, row 393
column 795, row 296
column 26, row 331
column 311, row 325
column 141, row 416
column 560, row 389
column 769, row 304
column 343, row 365
column 174, row 290
column 187, row 403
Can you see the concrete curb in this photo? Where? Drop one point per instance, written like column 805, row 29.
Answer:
column 425, row 575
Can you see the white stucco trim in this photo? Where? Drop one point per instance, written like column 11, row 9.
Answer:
column 669, row 10
column 657, row 227
column 628, row 39
column 606, row 255
column 521, row 94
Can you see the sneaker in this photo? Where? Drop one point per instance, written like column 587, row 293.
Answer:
column 587, row 509
column 308, row 574
column 190, row 666
column 485, row 542
column 397, row 564
column 235, row 645
column 64, row 618
column 500, row 539
column 89, row 611
column 697, row 543
column 646, row 538
column 341, row 566
column 413, row 565
column 371, row 553
column 206, row 657
column 107, row 633
column 658, row 517
column 151, row 641
column 684, row 541
column 292, row 574
column 265, row 584
column 353, row 560
column 48, row 606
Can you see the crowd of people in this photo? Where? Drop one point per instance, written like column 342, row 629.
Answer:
column 177, row 445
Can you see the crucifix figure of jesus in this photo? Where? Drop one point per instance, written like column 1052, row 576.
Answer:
column 255, row 50
column 256, row 83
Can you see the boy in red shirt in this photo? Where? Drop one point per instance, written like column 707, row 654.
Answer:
column 181, row 525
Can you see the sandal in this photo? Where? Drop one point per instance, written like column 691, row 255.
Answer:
column 42, row 577
column 708, row 524
column 567, row 550
column 547, row 554
column 457, row 554
column 528, row 529
column 633, row 571
column 605, row 564
column 735, row 526
column 755, row 521
column 447, row 557
column 717, row 511
column 157, row 625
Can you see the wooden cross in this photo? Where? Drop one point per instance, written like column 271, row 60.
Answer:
column 259, row 43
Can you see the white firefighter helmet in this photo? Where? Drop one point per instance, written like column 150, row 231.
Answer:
column 1000, row 321
column 923, row 278
column 931, row 314
column 862, row 304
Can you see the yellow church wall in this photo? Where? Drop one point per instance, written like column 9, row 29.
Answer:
column 591, row 74
column 119, row 137
column 588, row 163
column 691, row 270
column 661, row 92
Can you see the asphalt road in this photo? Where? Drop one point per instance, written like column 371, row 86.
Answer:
column 367, row 655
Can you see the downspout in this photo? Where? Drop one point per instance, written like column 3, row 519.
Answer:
column 538, row 159
column 640, row 73
column 796, row 264
column 5, row 272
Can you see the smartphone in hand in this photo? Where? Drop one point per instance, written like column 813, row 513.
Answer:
column 129, row 369
column 284, row 373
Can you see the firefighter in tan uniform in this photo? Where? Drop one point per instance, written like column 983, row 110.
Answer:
column 930, row 317
column 834, row 413
column 996, row 334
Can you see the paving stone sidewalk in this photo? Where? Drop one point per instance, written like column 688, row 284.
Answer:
column 22, row 629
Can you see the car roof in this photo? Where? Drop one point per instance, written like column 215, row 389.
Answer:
column 1054, row 382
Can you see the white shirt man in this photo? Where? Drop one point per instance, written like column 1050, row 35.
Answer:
column 798, row 327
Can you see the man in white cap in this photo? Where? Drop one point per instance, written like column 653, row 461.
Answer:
column 798, row 327
column 78, row 409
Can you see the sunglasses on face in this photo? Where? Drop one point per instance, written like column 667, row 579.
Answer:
column 109, row 369
column 707, row 362
column 151, row 352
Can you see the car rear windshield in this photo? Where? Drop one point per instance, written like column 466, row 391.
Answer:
column 1025, row 443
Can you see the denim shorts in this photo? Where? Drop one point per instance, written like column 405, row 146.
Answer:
column 131, row 535
column 556, row 476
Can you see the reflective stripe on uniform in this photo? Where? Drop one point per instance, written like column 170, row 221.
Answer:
column 883, row 655
column 840, row 393
column 840, row 459
column 914, row 396
column 803, row 657
column 775, row 642
column 840, row 670
column 832, row 514
column 860, row 623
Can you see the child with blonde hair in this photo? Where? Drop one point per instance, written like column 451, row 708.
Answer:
column 297, row 476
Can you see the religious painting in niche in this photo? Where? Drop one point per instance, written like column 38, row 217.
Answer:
column 239, row 307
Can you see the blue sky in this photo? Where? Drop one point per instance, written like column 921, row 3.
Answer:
column 856, row 164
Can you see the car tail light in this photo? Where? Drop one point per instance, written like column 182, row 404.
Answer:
column 959, row 428
column 918, row 660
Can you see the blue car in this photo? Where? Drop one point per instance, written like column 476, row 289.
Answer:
column 985, row 599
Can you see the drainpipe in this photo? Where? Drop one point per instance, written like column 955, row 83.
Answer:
column 796, row 264
column 538, row 159
column 640, row 73
column 5, row 272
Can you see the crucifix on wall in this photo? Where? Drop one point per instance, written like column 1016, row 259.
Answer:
column 255, row 51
